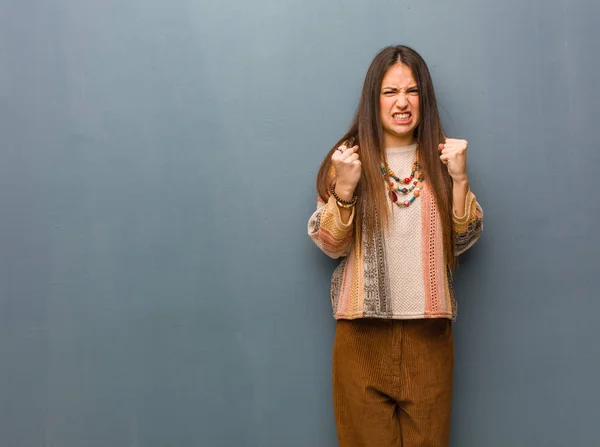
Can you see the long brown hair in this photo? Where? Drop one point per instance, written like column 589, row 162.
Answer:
column 367, row 131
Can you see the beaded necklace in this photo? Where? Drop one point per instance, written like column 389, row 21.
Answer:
column 394, row 188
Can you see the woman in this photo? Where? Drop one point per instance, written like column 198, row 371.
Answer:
column 398, row 211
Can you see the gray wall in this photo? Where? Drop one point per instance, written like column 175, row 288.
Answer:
column 157, row 167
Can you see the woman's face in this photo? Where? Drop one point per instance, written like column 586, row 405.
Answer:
column 399, row 106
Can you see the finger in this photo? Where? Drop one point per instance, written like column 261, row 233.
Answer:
column 454, row 148
column 457, row 143
column 355, row 148
column 444, row 159
column 441, row 146
column 351, row 158
column 451, row 143
column 348, row 153
column 454, row 151
column 337, row 154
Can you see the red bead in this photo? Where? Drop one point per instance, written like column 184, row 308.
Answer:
column 406, row 180
column 415, row 183
column 393, row 196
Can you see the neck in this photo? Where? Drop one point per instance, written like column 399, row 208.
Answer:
column 398, row 142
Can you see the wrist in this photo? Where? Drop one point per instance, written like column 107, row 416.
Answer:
column 344, row 192
column 460, row 180
column 341, row 201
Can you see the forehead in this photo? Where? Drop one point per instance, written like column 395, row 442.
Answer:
column 398, row 75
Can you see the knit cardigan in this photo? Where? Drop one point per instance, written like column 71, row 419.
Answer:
column 360, row 286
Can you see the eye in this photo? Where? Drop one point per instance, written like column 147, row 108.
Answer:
column 413, row 91
column 388, row 92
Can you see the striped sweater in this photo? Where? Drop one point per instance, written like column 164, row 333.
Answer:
column 402, row 273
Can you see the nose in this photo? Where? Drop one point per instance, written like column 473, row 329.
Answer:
column 401, row 101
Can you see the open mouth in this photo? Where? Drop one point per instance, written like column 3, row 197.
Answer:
column 402, row 117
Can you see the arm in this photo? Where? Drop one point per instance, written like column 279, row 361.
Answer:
column 329, row 230
column 467, row 215
column 459, row 196
column 467, row 223
column 344, row 193
column 331, row 226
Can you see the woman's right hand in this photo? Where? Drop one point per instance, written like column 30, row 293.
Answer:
column 348, row 171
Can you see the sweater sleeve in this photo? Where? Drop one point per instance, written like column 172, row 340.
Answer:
column 468, row 228
column 328, row 232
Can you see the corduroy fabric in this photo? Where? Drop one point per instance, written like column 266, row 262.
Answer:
column 392, row 382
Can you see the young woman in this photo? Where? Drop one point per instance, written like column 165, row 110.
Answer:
column 398, row 210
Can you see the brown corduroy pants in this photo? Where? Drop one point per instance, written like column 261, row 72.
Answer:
column 392, row 382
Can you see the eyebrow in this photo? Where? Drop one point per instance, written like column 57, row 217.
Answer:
column 396, row 88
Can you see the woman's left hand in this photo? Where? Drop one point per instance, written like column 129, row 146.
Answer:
column 454, row 156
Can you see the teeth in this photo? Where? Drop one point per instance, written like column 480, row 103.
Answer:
column 402, row 116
